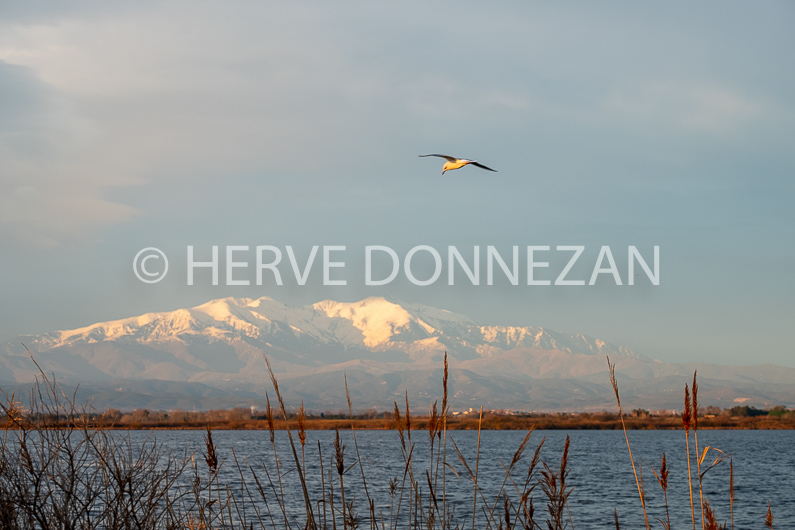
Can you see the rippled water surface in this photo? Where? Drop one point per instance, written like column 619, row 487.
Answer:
column 600, row 470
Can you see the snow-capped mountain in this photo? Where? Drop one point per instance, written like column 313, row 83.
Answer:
column 375, row 323
column 384, row 345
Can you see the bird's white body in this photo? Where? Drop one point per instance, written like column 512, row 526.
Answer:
column 456, row 163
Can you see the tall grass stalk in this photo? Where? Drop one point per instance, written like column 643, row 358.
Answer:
column 490, row 522
column 433, row 428
column 662, row 480
column 331, row 499
column 322, row 484
column 699, row 458
column 477, row 465
column 517, row 457
column 358, row 456
column 308, row 504
column 269, row 416
column 302, row 433
column 611, row 368
column 554, row 487
column 339, row 455
column 687, row 420
column 445, row 412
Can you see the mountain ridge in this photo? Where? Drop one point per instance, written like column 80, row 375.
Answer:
column 391, row 346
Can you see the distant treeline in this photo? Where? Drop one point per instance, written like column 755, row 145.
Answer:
column 738, row 417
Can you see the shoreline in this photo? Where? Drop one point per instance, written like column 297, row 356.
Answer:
column 420, row 423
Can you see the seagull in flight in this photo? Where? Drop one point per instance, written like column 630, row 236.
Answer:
column 455, row 163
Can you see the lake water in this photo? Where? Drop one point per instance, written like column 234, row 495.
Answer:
column 600, row 470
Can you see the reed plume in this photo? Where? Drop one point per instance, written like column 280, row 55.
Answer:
column 302, row 434
column 339, row 457
column 445, row 411
column 687, row 418
column 554, row 487
column 611, row 368
column 662, row 479
column 444, row 388
column 710, row 523
column 433, row 426
column 269, row 418
column 400, row 425
column 407, row 419
column 210, row 456
column 434, row 423
column 695, row 404
column 307, row 502
column 695, row 440
column 528, row 511
column 302, row 425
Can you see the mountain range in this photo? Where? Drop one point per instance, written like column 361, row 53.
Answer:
column 212, row 356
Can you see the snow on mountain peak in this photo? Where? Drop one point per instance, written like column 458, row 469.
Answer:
column 376, row 317
column 218, row 309
column 375, row 323
column 240, row 314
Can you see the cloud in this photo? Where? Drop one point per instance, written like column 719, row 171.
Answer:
column 686, row 106
column 261, row 86
column 313, row 97
column 50, row 191
column 205, row 91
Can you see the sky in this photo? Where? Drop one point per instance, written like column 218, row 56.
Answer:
column 169, row 124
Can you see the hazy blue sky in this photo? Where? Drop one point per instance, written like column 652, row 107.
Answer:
column 125, row 125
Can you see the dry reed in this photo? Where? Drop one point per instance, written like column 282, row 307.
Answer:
column 611, row 368
column 687, row 418
column 694, row 396
column 662, row 480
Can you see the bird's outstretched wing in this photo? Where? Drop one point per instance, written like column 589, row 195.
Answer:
column 448, row 158
column 476, row 163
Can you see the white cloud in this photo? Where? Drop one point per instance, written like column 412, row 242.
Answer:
column 691, row 106
column 51, row 183
column 50, row 218
column 142, row 93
